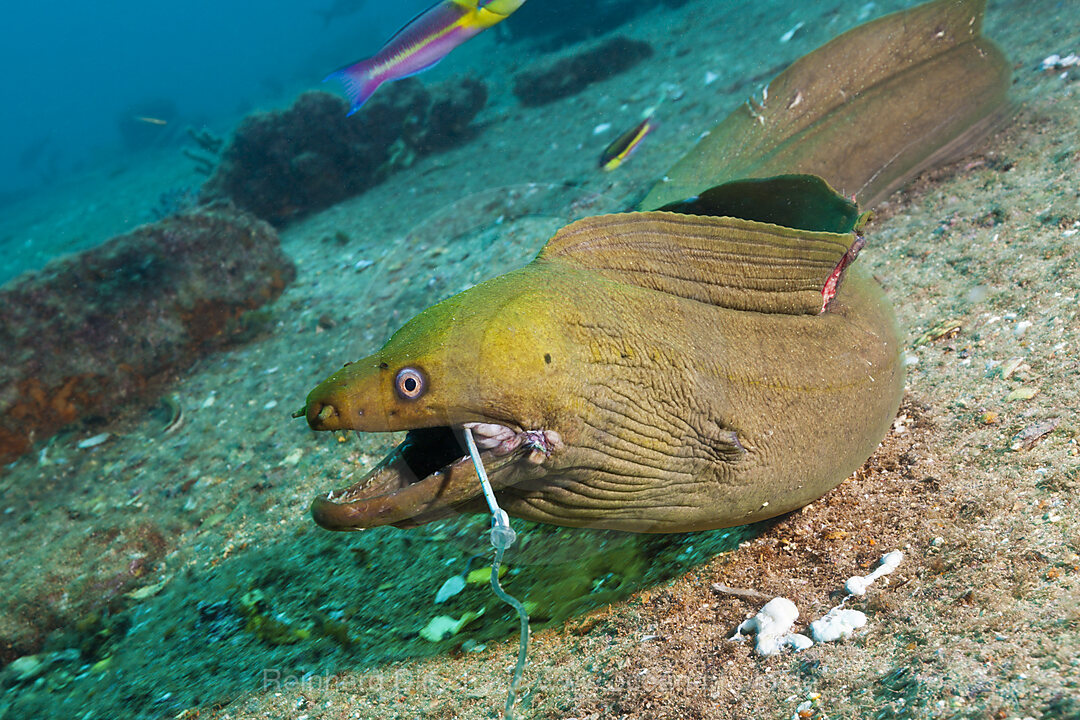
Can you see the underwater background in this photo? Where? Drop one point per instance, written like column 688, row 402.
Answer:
column 158, row 555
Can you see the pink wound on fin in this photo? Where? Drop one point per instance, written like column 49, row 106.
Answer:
column 832, row 283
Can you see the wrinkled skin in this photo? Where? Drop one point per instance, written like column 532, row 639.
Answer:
column 649, row 411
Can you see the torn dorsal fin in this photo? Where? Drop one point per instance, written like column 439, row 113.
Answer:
column 724, row 261
column 801, row 202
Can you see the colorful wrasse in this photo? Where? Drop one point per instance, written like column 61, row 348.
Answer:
column 624, row 145
column 422, row 43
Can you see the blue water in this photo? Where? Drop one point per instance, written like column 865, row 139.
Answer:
column 74, row 71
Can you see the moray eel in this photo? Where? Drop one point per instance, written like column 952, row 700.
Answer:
column 867, row 111
column 710, row 363
column 655, row 372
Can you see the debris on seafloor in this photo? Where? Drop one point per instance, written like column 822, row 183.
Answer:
column 945, row 329
column 176, row 414
column 94, row 441
column 838, row 623
column 810, row 708
column 441, row 627
column 774, row 621
column 1022, row 393
column 772, row 628
column 453, row 585
column 1056, row 62
column 29, row 668
column 1032, row 434
column 858, row 585
column 786, row 37
column 739, row 592
column 1011, row 366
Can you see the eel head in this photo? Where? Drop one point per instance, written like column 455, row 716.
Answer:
column 522, row 360
column 424, row 381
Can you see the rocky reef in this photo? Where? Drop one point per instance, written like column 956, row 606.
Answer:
column 570, row 75
column 285, row 163
column 90, row 333
column 545, row 24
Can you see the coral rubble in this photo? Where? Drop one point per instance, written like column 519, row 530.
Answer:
column 283, row 164
column 89, row 333
column 571, row 75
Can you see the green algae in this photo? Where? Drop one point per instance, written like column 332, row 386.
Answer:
column 262, row 623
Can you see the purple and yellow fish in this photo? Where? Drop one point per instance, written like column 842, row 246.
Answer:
column 422, row 43
column 624, row 145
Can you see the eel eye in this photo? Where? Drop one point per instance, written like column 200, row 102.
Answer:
column 409, row 383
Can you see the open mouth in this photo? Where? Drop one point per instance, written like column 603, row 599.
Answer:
column 430, row 475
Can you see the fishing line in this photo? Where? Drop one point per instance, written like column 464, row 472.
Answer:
column 502, row 537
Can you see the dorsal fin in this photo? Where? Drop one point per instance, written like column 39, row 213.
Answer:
column 800, row 202
column 733, row 262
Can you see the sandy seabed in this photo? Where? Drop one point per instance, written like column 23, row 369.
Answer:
column 174, row 572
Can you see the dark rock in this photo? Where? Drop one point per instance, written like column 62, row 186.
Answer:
column 450, row 114
column 545, row 25
column 571, row 75
column 283, row 164
column 90, row 333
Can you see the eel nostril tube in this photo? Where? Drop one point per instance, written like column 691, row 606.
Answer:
column 319, row 416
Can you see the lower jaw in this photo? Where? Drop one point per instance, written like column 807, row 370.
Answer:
column 429, row 475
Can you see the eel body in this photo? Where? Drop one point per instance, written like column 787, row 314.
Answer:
column 712, row 363
column 867, row 111
column 655, row 372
